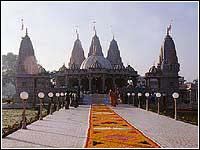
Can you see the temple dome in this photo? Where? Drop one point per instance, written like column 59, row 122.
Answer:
column 153, row 69
column 95, row 60
column 41, row 69
column 63, row 68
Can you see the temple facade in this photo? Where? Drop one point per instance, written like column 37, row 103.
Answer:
column 95, row 74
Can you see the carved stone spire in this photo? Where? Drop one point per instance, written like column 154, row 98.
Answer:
column 168, row 60
column 95, row 47
column 77, row 56
column 27, row 63
column 114, row 53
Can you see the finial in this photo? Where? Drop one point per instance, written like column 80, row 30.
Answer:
column 26, row 31
column 169, row 27
column 95, row 32
column 22, row 24
column 77, row 32
column 112, row 32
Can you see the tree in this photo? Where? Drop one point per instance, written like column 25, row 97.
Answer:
column 8, row 90
column 9, row 62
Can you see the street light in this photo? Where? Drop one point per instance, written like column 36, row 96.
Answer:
column 147, row 104
column 62, row 94
column 50, row 94
column 128, row 94
column 139, row 95
column 40, row 95
column 133, row 94
column 164, row 100
column 24, row 97
column 158, row 95
column 57, row 95
column 175, row 95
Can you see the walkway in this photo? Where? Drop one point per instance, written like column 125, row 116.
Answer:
column 68, row 129
column 108, row 130
column 166, row 131
column 65, row 128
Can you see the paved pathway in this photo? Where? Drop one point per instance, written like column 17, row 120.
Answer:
column 68, row 129
column 65, row 128
column 163, row 130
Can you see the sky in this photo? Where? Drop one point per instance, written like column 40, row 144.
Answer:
column 138, row 27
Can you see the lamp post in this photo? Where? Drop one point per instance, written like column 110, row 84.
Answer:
column 41, row 96
column 147, row 102
column 50, row 94
column 128, row 94
column 158, row 95
column 57, row 107
column 139, row 95
column 175, row 95
column 24, row 97
column 164, row 100
column 62, row 95
column 66, row 101
column 133, row 95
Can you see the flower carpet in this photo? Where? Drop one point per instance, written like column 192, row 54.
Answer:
column 108, row 130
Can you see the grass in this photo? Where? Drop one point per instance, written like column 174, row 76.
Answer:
column 185, row 116
column 11, row 118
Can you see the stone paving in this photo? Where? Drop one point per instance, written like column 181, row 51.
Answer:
column 65, row 128
column 68, row 129
column 165, row 131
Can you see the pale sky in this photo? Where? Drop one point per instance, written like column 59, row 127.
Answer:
column 138, row 27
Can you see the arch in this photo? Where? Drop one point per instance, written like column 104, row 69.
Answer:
column 96, row 85
column 108, row 84
column 84, row 84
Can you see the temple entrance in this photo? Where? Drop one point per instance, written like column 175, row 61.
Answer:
column 73, row 82
column 96, row 85
column 84, row 84
column 108, row 84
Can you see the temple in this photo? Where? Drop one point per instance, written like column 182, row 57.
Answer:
column 95, row 74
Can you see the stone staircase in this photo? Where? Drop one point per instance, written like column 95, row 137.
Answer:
column 89, row 99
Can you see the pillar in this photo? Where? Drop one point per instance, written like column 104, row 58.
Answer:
column 114, row 85
column 79, row 82
column 67, row 81
column 103, row 84
column 90, row 84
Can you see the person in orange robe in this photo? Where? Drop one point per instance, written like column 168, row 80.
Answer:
column 112, row 98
